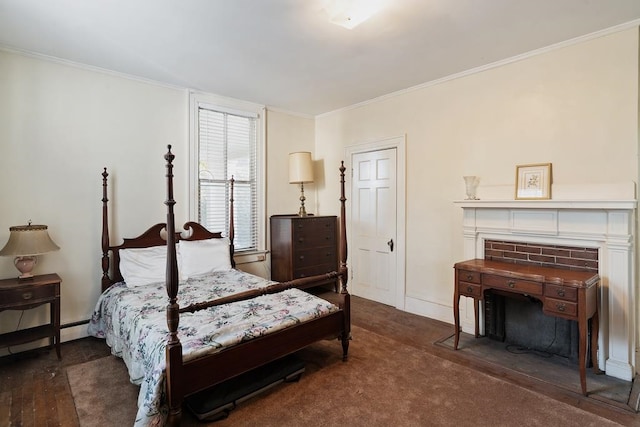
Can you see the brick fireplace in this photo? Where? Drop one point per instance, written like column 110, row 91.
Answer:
column 592, row 235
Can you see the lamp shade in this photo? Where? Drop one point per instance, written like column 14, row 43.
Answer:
column 300, row 167
column 28, row 240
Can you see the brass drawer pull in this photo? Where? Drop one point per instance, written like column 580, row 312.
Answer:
column 27, row 295
column 561, row 307
column 469, row 289
column 469, row 276
column 560, row 292
column 511, row 283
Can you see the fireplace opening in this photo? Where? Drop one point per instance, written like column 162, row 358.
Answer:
column 518, row 320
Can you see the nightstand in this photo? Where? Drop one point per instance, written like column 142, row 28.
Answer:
column 30, row 293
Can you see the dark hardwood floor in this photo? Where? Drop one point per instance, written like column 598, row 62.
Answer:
column 34, row 390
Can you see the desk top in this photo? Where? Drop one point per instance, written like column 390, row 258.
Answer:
column 557, row 276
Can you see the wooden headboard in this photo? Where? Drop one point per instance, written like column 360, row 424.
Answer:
column 154, row 236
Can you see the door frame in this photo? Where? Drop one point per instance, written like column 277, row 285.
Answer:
column 399, row 143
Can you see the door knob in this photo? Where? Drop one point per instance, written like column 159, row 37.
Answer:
column 390, row 243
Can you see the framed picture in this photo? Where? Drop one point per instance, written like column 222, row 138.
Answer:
column 533, row 181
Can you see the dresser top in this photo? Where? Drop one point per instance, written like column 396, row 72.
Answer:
column 535, row 273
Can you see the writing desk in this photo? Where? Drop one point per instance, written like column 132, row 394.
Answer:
column 568, row 294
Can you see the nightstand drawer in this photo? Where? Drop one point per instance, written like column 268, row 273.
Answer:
column 27, row 295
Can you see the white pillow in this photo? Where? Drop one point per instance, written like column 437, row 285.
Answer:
column 142, row 266
column 201, row 257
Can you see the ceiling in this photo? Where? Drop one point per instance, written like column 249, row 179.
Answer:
column 286, row 54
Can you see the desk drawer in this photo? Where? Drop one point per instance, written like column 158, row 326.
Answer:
column 514, row 285
column 561, row 307
column 561, row 292
column 469, row 276
column 469, row 289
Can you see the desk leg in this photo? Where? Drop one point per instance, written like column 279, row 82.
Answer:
column 476, row 309
column 582, row 350
column 595, row 328
column 456, row 317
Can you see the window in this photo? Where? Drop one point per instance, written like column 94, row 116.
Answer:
column 226, row 145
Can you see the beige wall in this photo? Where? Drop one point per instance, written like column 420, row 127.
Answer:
column 60, row 125
column 576, row 107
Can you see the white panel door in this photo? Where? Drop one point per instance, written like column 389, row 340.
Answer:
column 374, row 225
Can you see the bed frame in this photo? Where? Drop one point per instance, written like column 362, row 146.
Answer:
column 187, row 377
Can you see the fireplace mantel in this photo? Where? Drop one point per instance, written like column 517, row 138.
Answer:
column 548, row 204
column 608, row 225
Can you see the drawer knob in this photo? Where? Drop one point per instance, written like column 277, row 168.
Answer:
column 301, row 256
column 27, row 295
column 561, row 307
column 560, row 292
column 469, row 289
column 469, row 276
column 511, row 283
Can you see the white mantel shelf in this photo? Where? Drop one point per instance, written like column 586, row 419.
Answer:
column 549, row 204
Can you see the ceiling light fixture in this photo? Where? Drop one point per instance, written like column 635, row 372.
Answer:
column 350, row 13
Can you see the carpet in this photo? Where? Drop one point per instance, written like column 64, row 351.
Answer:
column 383, row 383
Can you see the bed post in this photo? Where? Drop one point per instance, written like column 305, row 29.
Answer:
column 174, row 347
column 106, row 281
column 343, row 277
column 232, row 231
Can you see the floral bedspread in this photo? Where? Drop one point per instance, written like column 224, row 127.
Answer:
column 133, row 322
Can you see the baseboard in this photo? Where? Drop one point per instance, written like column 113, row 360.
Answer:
column 428, row 309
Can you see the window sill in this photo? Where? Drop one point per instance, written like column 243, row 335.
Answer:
column 249, row 257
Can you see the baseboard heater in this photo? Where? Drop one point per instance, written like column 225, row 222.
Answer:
column 217, row 402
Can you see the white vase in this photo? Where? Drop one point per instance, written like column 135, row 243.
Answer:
column 471, row 184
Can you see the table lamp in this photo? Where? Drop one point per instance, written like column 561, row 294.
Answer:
column 25, row 243
column 300, row 171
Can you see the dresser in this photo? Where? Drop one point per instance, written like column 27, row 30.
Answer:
column 25, row 294
column 303, row 247
column 568, row 294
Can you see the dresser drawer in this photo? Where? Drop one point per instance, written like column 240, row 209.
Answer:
column 314, row 233
column 26, row 296
column 522, row 286
column 469, row 276
column 470, row 289
column 313, row 270
column 561, row 292
column 311, row 257
column 560, row 307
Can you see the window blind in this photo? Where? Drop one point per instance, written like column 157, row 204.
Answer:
column 227, row 147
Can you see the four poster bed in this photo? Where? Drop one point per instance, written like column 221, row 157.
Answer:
column 219, row 322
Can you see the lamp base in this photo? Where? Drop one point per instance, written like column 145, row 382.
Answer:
column 302, row 211
column 25, row 264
